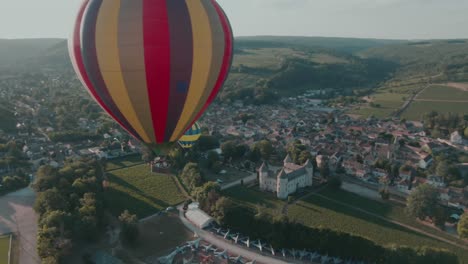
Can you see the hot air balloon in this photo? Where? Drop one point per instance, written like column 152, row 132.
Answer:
column 190, row 137
column 153, row 65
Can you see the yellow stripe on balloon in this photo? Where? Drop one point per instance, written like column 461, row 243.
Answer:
column 190, row 137
column 109, row 62
column 202, row 54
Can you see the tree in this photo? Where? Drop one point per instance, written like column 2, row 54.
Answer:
column 265, row 149
column 304, row 156
column 221, row 208
column 207, row 195
column 423, row 201
column 442, row 169
column 208, row 142
column 240, row 151
column 229, row 149
column 384, row 193
column 440, row 216
column 191, row 176
column 129, row 227
column 463, row 226
column 465, row 133
column 50, row 200
column 90, row 216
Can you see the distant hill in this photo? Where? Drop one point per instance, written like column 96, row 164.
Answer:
column 349, row 45
column 446, row 57
column 15, row 53
column 267, row 67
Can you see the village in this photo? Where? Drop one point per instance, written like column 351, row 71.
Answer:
column 387, row 154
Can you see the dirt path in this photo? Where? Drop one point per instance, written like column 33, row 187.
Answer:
column 461, row 86
column 18, row 216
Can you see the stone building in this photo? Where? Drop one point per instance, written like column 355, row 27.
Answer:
column 286, row 180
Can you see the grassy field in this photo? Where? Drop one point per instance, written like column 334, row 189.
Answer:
column 389, row 103
column 317, row 211
column 252, row 197
column 4, row 247
column 123, row 162
column 419, row 108
column 440, row 92
column 140, row 191
column 269, row 58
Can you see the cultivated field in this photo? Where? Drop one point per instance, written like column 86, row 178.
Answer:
column 389, row 103
column 445, row 93
column 140, row 191
column 317, row 211
column 4, row 247
column 419, row 108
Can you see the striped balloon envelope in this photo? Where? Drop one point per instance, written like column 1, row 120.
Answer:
column 153, row 65
column 190, row 137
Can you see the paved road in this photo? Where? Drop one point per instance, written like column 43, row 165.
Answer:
column 233, row 249
column 18, row 216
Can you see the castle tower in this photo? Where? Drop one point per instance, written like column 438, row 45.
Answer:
column 282, row 185
column 309, row 167
column 262, row 175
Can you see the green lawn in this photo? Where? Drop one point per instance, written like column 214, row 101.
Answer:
column 419, row 108
column 123, row 162
column 140, row 191
column 317, row 211
column 4, row 247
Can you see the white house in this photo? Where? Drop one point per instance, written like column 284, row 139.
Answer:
column 456, row 138
column 425, row 161
column 198, row 217
column 436, row 181
column 288, row 179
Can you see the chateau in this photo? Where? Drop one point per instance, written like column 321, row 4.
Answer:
column 285, row 180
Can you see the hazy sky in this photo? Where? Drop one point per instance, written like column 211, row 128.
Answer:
column 404, row 19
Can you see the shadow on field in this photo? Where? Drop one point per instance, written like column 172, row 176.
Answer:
column 119, row 181
column 118, row 201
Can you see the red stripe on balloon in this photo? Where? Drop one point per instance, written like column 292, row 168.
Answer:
column 158, row 62
column 227, row 60
column 81, row 67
